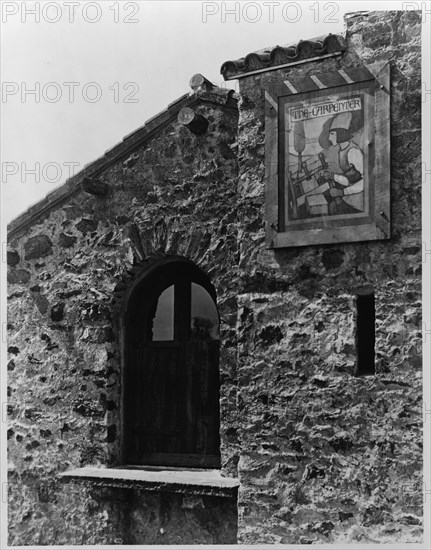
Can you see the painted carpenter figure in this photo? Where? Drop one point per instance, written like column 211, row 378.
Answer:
column 345, row 162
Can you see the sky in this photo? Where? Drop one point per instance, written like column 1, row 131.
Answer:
column 77, row 76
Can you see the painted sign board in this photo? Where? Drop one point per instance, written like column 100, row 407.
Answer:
column 327, row 158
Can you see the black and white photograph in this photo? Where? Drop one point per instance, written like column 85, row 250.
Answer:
column 216, row 274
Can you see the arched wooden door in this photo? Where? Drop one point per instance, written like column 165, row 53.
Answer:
column 171, row 393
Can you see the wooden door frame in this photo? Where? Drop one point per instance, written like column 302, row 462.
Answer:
column 213, row 461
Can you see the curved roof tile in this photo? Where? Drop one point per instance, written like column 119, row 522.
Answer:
column 281, row 55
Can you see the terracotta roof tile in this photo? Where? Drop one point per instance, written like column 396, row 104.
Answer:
column 270, row 58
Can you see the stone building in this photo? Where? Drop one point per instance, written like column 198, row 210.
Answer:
column 176, row 377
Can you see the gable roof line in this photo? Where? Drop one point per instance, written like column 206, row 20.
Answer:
column 129, row 143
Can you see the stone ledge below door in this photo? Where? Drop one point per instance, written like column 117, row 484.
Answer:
column 186, row 481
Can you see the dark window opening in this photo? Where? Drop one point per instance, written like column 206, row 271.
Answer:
column 365, row 334
column 204, row 315
column 163, row 321
column 171, row 381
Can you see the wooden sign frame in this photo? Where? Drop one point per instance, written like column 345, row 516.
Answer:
column 327, row 157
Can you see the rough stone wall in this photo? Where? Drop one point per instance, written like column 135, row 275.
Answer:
column 162, row 518
column 324, row 456
column 67, row 280
column 327, row 456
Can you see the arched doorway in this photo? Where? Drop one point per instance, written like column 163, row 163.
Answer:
column 171, row 384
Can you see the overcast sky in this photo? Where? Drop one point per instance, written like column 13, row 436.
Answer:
column 85, row 74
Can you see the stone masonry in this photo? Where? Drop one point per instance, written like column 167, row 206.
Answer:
column 322, row 456
column 70, row 269
column 326, row 456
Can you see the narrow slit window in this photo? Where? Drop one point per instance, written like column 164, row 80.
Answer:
column 365, row 334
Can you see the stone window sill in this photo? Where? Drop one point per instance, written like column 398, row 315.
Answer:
column 191, row 481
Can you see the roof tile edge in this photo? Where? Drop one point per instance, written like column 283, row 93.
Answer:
column 281, row 55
